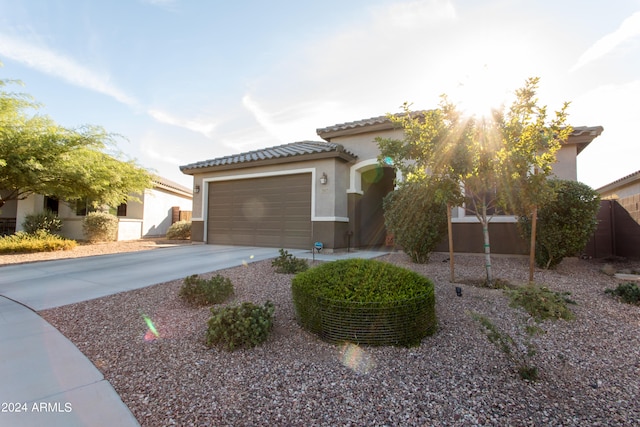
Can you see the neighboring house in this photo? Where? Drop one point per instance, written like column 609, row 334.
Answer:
column 296, row 194
column 618, row 232
column 151, row 216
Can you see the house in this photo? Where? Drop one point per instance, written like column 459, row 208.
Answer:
column 328, row 191
column 618, row 232
column 151, row 216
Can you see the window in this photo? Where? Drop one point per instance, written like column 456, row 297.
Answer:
column 122, row 210
column 52, row 204
column 83, row 207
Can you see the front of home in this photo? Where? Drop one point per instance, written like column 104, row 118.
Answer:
column 329, row 191
column 150, row 216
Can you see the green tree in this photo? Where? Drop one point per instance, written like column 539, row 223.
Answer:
column 566, row 221
column 480, row 159
column 38, row 156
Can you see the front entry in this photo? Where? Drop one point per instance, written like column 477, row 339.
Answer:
column 376, row 183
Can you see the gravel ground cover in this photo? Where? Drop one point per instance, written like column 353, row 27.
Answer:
column 589, row 368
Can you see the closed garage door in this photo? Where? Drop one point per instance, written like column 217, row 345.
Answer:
column 269, row 212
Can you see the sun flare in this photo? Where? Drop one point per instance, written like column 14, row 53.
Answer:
column 481, row 91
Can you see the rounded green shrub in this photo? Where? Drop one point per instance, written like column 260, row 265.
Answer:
column 246, row 325
column 199, row 291
column 180, row 230
column 46, row 220
column 366, row 302
column 100, row 227
column 565, row 223
column 417, row 221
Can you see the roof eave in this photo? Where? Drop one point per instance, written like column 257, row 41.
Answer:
column 341, row 155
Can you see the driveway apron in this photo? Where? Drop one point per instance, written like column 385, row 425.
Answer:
column 44, row 378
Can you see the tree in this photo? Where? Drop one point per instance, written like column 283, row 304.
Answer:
column 432, row 154
column 566, row 221
column 480, row 159
column 530, row 143
column 38, row 156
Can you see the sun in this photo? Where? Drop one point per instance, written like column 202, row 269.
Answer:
column 481, row 91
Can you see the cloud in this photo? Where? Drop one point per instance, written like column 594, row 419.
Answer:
column 629, row 28
column 58, row 65
column 205, row 127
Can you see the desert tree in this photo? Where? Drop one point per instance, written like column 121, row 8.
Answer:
column 38, row 156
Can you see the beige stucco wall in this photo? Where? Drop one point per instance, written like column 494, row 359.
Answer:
column 566, row 166
column 624, row 191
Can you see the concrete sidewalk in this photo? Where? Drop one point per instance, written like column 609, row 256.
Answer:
column 44, row 378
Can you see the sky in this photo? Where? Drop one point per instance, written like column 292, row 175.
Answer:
column 183, row 81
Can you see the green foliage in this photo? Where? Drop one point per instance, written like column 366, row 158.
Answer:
column 288, row 264
column 541, row 303
column 246, row 325
column 100, row 227
column 417, row 220
column 198, row 291
column 489, row 156
column 46, row 220
column 365, row 301
column 566, row 222
column 518, row 351
column 628, row 292
column 180, row 230
column 38, row 156
column 40, row 241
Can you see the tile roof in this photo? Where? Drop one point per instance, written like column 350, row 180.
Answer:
column 165, row 184
column 355, row 124
column 284, row 151
column 625, row 180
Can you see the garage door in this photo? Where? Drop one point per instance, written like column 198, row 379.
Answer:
column 269, row 212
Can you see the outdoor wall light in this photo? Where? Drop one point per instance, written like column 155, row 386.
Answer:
column 196, row 189
column 458, row 291
column 323, row 178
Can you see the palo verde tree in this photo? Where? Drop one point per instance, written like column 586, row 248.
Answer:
column 37, row 156
column 481, row 160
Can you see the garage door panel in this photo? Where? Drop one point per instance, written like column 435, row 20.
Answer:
column 271, row 211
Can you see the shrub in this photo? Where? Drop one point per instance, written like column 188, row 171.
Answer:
column 288, row 264
column 100, row 227
column 46, row 220
column 40, row 241
column 417, row 221
column 628, row 292
column 565, row 223
column 198, row 291
column 541, row 303
column 180, row 230
column 519, row 354
column 366, row 302
column 246, row 325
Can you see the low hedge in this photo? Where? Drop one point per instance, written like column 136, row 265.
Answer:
column 365, row 301
column 40, row 241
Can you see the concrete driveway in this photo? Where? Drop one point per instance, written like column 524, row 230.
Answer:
column 49, row 284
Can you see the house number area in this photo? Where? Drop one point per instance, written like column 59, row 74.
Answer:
column 46, row 407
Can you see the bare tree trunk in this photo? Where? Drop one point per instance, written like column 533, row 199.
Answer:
column 450, row 229
column 532, row 249
column 487, row 247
